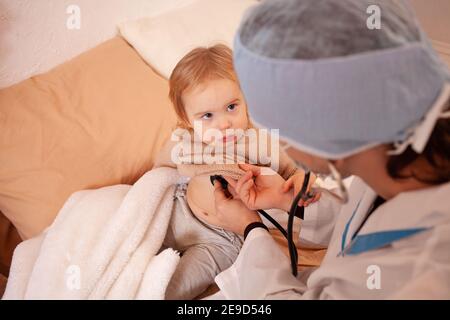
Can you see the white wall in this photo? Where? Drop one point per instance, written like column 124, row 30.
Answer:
column 435, row 18
column 34, row 36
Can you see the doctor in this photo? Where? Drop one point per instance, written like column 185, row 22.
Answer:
column 349, row 100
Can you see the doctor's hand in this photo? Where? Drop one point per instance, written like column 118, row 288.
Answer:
column 231, row 213
column 261, row 191
column 296, row 182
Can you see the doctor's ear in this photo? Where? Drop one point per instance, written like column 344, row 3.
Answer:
column 341, row 166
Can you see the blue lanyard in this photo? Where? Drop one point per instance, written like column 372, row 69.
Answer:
column 347, row 226
column 372, row 241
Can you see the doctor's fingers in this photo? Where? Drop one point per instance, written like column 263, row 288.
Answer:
column 247, row 193
column 315, row 198
column 232, row 187
column 233, row 192
column 287, row 185
column 232, row 182
column 255, row 170
column 248, row 176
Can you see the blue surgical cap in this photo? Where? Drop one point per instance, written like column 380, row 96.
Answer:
column 337, row 106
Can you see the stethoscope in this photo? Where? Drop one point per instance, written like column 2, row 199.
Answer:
column 295, row 210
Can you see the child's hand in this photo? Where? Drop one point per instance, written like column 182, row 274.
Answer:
column 296, row 181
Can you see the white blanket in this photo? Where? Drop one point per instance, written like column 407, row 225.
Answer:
column 102, row 245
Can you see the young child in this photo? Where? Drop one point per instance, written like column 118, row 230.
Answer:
column 205, row 88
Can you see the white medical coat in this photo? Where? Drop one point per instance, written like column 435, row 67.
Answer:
column 401, row 252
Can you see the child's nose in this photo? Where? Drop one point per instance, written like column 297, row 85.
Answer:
column 225, row 124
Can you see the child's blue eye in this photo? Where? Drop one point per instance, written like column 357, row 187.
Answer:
column 231, row 107
column 207, row 116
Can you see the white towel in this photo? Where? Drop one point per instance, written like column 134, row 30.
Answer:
column 102, row 245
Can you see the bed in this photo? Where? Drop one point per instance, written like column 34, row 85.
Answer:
column 97, row 120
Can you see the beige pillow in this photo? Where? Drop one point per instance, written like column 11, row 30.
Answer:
column 97, row 120
column 164, row 39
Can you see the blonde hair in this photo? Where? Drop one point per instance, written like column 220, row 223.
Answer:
column 198, row 66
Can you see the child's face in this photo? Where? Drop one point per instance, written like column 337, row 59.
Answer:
column 218, row 104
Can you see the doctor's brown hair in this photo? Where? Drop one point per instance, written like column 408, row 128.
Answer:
column 436, row 154
column 198, row 66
